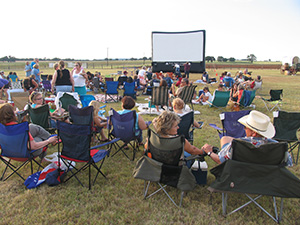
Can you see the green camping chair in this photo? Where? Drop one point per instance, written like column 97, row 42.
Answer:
column 286, row 125
column 221, row 99
column 161, row 164
column 41, row 116
column 65, row 99
column 256, row 171
column 187, row 94
column 247, row 98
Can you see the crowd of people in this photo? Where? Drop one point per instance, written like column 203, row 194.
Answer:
column 258, row 127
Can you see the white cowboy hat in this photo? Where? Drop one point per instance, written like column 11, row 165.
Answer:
column 258, row 122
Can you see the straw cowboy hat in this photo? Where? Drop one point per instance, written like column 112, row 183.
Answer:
column 258, row 122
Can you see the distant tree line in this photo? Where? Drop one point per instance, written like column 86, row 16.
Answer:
column 13, row 59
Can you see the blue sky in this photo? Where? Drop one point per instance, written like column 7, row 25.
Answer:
column 93, row 29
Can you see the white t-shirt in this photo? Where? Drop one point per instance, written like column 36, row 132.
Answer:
column 210, row 98
column 79, row 80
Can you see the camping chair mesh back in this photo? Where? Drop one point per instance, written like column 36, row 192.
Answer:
column 14, row 141
column 123, row 127
column 221, row 99
column 40, row 116
column 76, row 148
column 166, row 150
column 274, row 100
column 86, row 99
column 81, row 116
column 230, row 125
column 112, row 89
column 286, row 125
column 161, row 164
column 185, row 125
column 261, row 166
column 187, row 94
column 129, row 90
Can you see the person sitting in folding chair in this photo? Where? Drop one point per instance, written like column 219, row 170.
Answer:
column 205, row 97
column 38, row 136
column 37, row 100
column 99, row 123
column 259, row 130
column 166, row 125
column 127, row 105
column 178, row 106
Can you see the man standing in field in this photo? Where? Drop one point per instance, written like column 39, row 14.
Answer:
column 187, row 67
column 35, row 61
column 27, row 69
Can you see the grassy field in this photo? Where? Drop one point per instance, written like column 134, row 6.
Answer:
column 119, row 200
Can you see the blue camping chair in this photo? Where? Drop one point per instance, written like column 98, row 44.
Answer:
column 85, row 101
column 122, row 126
column 76, row 147
column 46, row 85
column 14, row 141
column 230, row 124
column 129, row 90
column 112, row 89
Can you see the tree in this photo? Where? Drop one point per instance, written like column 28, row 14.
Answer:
column 220, row 59
column 210, row 59
column 231, row 59
column 251, row 58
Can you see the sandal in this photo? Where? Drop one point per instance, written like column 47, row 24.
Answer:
column 105, row 140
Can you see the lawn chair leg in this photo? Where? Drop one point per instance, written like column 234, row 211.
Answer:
column 224, row 203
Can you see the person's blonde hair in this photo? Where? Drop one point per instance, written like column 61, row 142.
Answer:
column 165, row 121
column 96, row 106
column 35, row 66
column 55, row 66
column 178, row 103
column 34, row 95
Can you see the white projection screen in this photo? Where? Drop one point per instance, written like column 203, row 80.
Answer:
column 169, row 48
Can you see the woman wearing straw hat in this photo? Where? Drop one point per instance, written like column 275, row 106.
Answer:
column 259, row 130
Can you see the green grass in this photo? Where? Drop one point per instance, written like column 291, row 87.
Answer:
column 119, row 199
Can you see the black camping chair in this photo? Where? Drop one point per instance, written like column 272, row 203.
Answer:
column 286, row 125
column 274, row 100
column 162, row 164
column 186, row 127
column 256, row 171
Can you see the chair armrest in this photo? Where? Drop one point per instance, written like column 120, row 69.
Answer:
column 200, row 123
column 215, row 127
column 104, row 144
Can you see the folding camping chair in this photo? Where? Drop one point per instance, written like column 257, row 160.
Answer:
column 76, row 148
column 220, row 99
column 274, row 100
column 20, row 99
column 86, row 99
column 162, row 164
column 41, row 116
column 46, row 85
column 123, row 126
column 286, row 125
column 129, row 90
column 64, row 99
column 263, row 173
column 14, row 143
column 112, row 89
column 98, row 85
column 186, row 127
column 187, row 94
column 160, row 96
column 230, row 125
column 247, row 98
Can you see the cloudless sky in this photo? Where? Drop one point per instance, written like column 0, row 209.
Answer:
column 95, row 29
